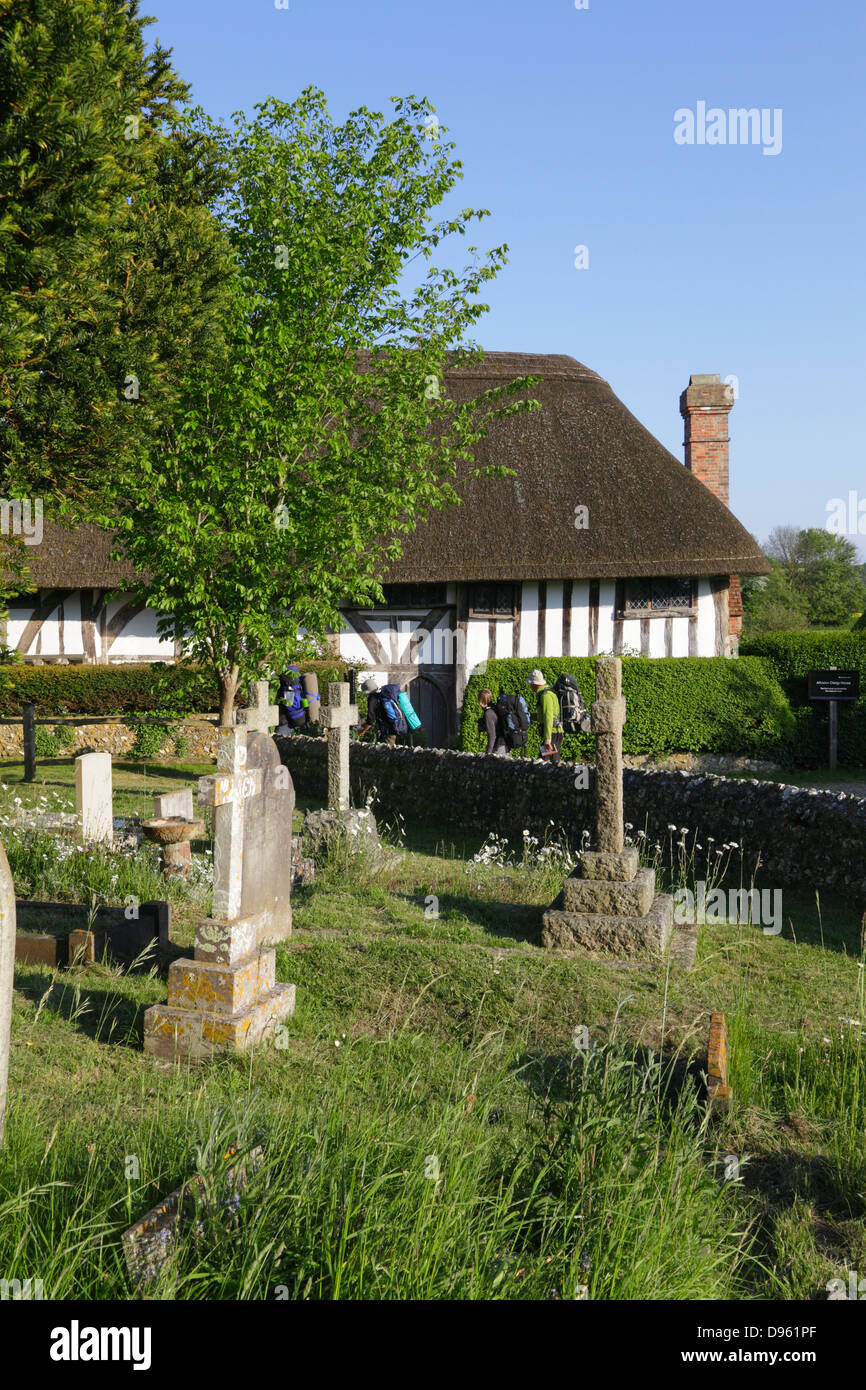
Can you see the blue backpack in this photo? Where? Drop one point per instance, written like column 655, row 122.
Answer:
column 393, row 718
column 291, row 696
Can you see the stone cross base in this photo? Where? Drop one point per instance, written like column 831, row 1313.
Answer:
column 610, row 905
column 225, row 999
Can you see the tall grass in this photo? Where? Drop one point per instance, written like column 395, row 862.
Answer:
column 514, row 1177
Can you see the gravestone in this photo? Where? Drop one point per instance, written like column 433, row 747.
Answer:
column 609, row 903
column 339, row 822
column 227, row 997
column 7, row 975
column 177, row 803
column 266, row 882
column 93, row 797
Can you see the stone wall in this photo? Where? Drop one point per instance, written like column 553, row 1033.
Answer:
column 117, row 739
column 805, row 837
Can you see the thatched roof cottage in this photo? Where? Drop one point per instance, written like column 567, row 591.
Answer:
column 602, row 541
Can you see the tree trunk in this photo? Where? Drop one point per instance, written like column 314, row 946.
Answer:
column 228, row 690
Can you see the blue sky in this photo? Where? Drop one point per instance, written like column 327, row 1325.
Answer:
column 702, row 257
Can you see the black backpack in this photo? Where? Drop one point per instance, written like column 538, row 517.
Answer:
column 572, row 708
column 513, row 719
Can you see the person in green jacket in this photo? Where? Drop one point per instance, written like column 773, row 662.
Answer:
column 547, row 705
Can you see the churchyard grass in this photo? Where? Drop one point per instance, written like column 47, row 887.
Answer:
column 432, row 1130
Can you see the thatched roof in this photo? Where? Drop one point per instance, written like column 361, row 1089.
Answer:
column 647, row 514
column 77, row 558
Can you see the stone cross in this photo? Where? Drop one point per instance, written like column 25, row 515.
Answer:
column 7, row 971
column 607, row 718
column 260, row 715
column 338, row 718
column 227, row 792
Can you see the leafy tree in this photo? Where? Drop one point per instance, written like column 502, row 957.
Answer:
column 286, row 482
column 824, row 569
column 112, row 266
column 772, row 604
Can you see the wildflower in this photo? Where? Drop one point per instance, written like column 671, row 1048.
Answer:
column 628, row 825
column 826, row 1040
column 336, row 1042
column 671, row 827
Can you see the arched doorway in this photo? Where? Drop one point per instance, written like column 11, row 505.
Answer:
column 430, row 704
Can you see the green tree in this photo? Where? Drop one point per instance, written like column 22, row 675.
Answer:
column 822, row 568
column 287, row 481
column 112, row 266
column 772, row 604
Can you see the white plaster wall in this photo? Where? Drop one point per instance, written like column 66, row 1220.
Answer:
column 580, row 618
column 680, row 637
column 657, row 637
column 139, row 637
column 706, row 620
column 630, row 635
column 606, row 606
column 553, row 624
column 476, row 642
column 529, row 620
column 504, row 639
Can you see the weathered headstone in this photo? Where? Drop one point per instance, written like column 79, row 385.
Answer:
column 338, row 718
column 7, row 975
column 609, row 903
column 259, row 715
column 227, row 996
column 93, row 797
column 177, row 803
column 266, row 881
column 356, row 828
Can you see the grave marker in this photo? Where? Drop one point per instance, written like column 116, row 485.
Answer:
column 93, row 797
column 338, row 718
column 226, row 997
column 177, row 803
column 609, row 903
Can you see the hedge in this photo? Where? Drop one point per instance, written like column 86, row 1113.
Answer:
column 675, row 704
column 123, row 689
column 793, row 655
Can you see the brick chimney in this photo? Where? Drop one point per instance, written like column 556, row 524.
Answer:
column 705, row 405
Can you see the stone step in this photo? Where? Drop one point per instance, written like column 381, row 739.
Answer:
column 621, row 868
column 223, row 989
column 189, row 1034
column 599, row 895
column 609, row 933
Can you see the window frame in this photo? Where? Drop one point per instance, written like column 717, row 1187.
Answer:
column 492, row 615
column 624, row 612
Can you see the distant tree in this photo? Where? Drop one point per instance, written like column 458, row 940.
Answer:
column 823, row 569
column 286, row 481
column 112, row 266
column 772, row 604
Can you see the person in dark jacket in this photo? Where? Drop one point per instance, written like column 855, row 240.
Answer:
column 489, row 724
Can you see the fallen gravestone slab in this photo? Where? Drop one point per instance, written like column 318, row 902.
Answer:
column 148, row 1244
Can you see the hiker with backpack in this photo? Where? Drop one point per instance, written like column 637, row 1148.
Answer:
column 389, row 711
column 547, row 704
column 561, row 710
column 489, row 725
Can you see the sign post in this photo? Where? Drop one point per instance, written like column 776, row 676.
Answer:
column 834, row 685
